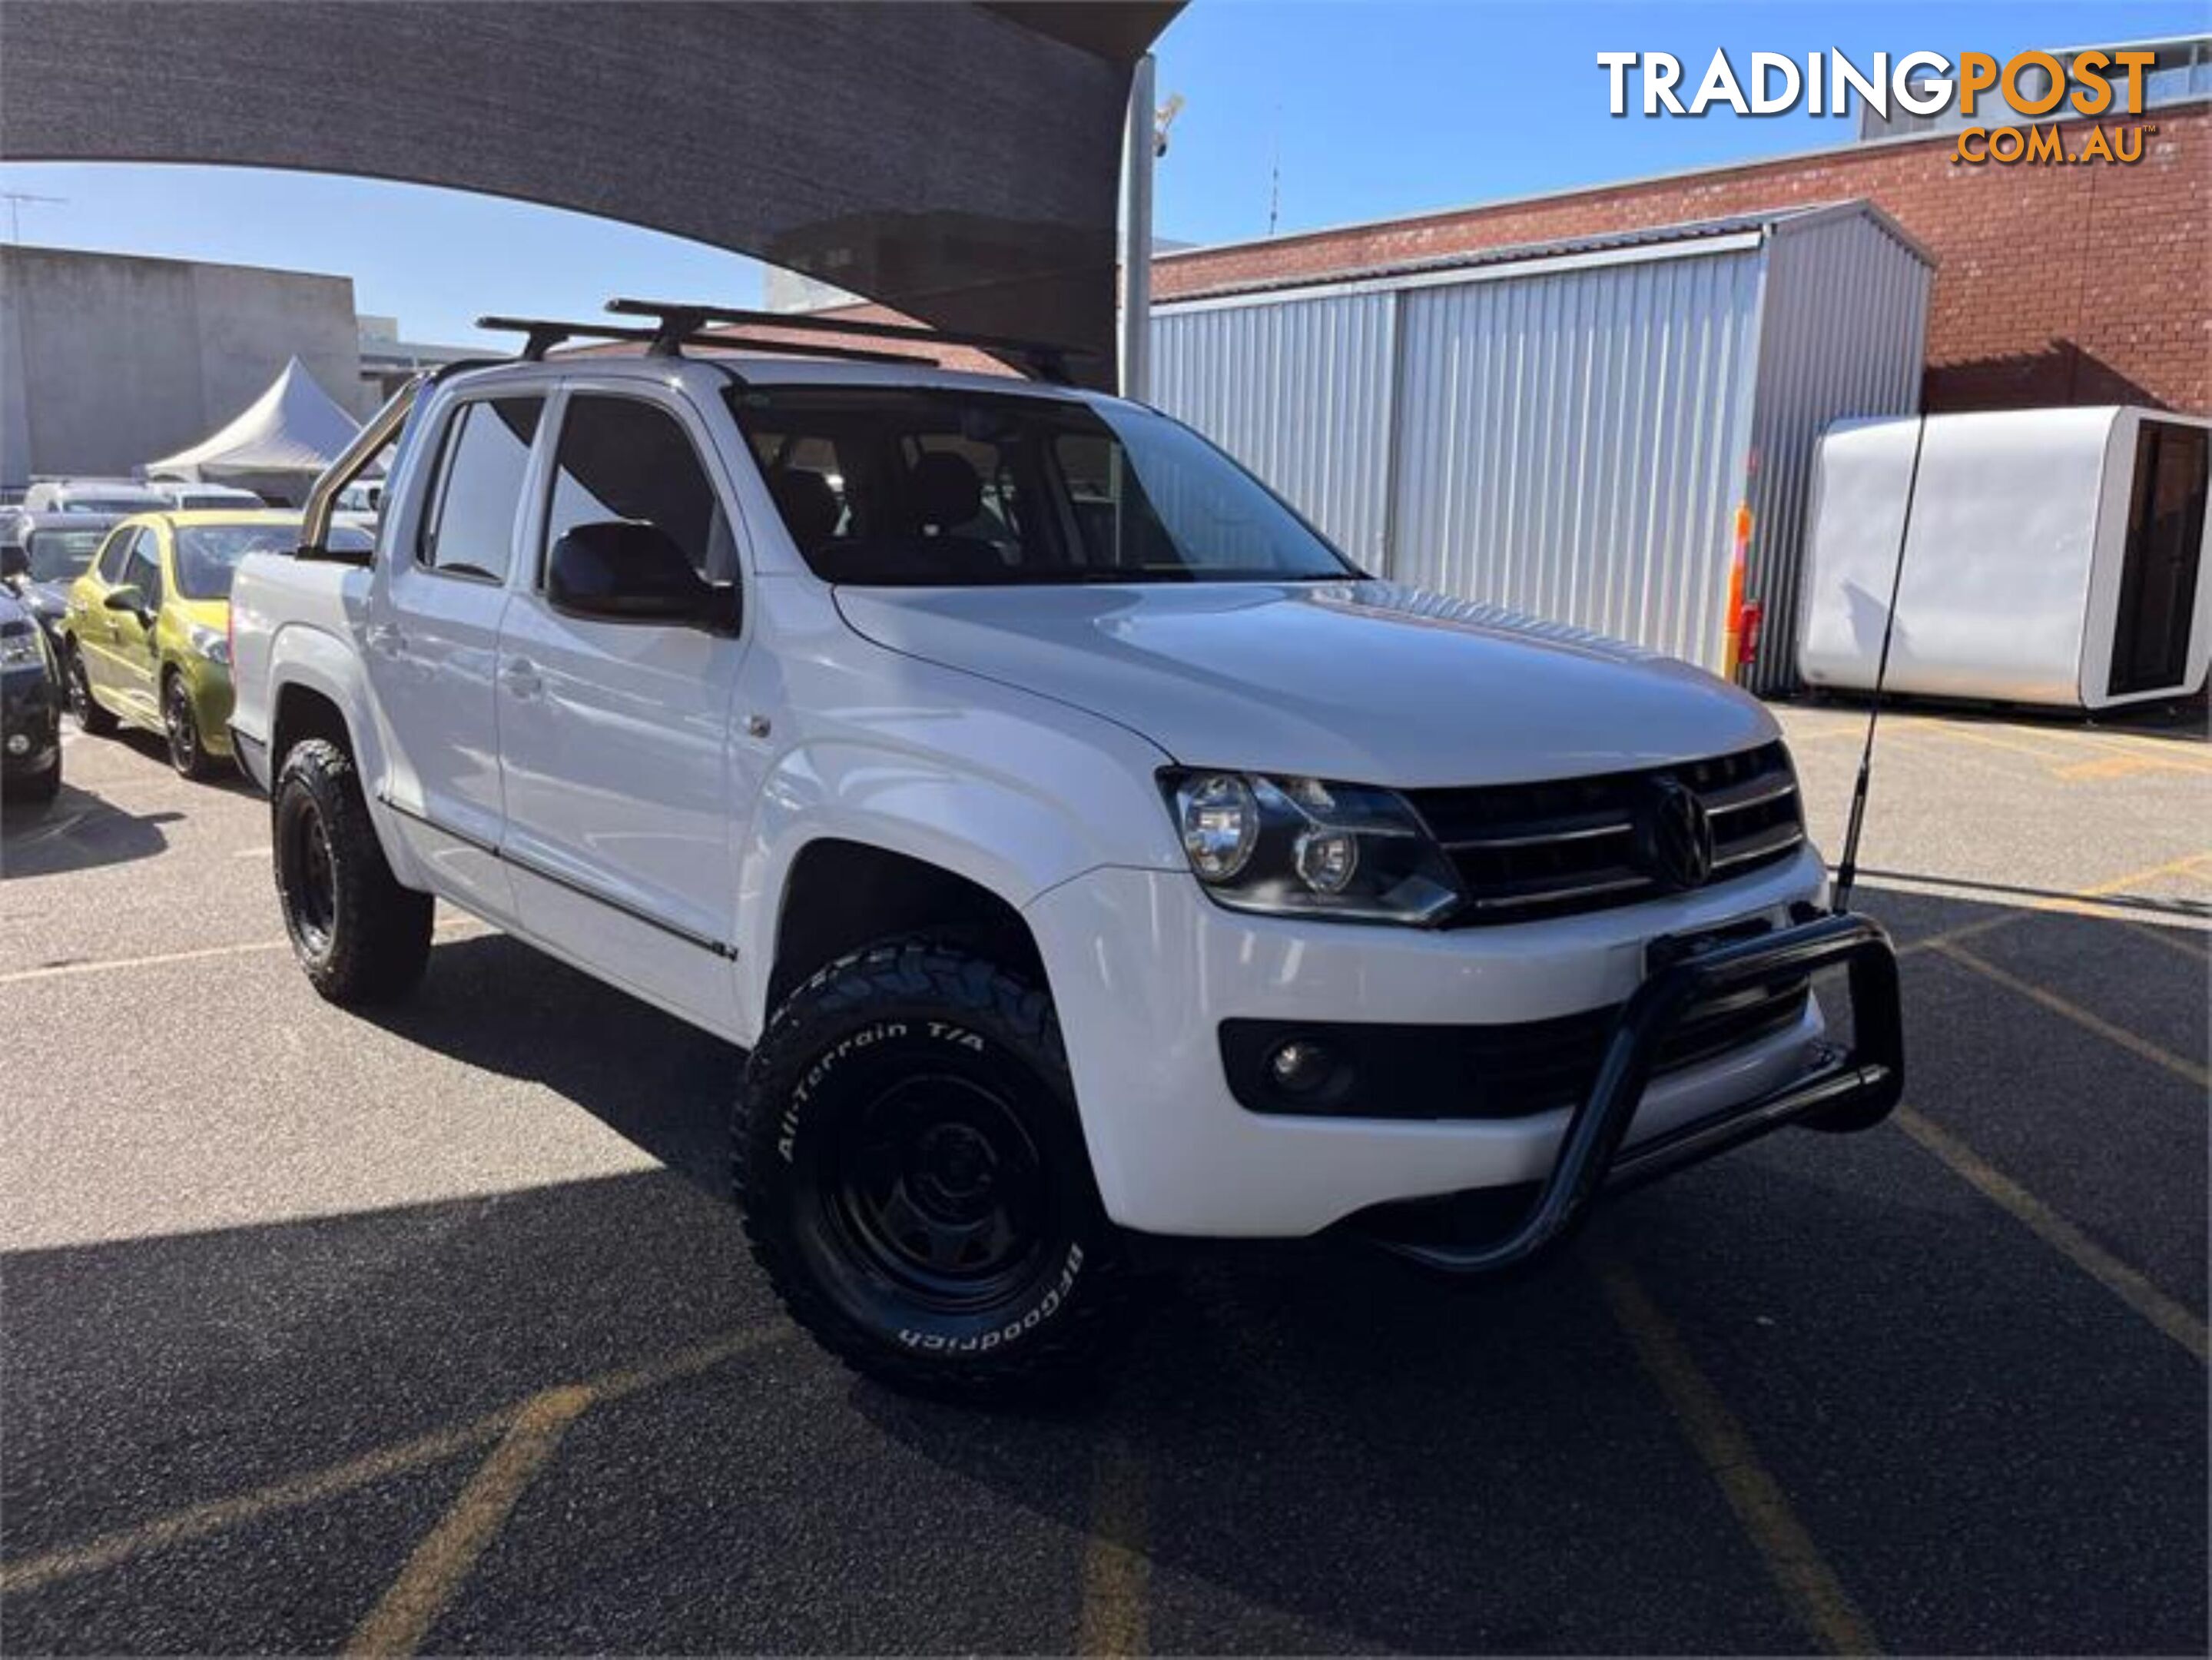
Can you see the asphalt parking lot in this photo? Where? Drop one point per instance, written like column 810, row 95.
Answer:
column 435, row 1332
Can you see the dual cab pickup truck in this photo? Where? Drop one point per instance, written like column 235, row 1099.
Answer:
column 1082, row 848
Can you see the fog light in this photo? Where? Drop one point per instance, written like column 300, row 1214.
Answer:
column 18, row 744
column 1299, row 1068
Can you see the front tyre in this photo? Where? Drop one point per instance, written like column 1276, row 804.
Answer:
column 361, row 936
column 914, row 1179
column 181, row 726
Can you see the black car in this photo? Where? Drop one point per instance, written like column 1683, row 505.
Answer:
column 30, row 708
column 42, row 553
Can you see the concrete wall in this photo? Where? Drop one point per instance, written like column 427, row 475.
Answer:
column 109, row 362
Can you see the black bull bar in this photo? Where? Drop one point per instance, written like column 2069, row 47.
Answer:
column 1846, row 1090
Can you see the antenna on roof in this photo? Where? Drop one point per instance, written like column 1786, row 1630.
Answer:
column 1847, row 868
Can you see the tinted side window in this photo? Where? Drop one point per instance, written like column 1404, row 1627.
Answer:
column 470, row 529
column 621, row 458
column 110, row 563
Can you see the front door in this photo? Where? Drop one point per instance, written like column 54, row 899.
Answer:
column 622, row 782
column 432, row 645
column 131, row 669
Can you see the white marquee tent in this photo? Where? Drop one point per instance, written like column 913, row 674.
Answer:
column 275, row 446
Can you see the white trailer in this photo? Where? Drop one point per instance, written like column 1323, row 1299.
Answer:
column 2057, row 557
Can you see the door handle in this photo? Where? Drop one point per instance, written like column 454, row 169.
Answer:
column 520, row 675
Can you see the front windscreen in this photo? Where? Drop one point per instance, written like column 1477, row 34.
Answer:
column 936, row 487
column 208, row 554
column 56, row 556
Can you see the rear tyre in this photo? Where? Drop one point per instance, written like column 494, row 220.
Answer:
column 914, row 1184
column 361, row 936
column 181, row 726
column 90, row 717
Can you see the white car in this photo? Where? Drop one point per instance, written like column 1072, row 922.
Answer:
column 186, row 496
column 1082, row 847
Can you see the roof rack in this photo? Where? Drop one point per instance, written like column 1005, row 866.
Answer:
column 543, row 334
column 681, row 322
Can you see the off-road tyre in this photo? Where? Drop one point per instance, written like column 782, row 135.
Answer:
column 91, row 718
column 957, row 1065
column 359, row 935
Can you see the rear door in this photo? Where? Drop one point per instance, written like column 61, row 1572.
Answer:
column 432, row 642
column 614, row 736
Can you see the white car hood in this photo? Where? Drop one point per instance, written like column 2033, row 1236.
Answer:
column 1360, row 682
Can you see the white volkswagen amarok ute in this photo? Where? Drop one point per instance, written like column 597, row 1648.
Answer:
column 1082, row 847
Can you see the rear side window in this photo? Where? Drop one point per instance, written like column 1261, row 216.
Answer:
column 621, row 458
column 470, row 529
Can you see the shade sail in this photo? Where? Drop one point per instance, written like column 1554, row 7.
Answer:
column 291, row 432
column 958, row 163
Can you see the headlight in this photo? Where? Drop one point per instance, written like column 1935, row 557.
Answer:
column 211, row 644
column 19, row 648
column 1301, row 847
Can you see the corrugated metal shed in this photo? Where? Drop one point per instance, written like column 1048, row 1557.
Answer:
column 1568, row 428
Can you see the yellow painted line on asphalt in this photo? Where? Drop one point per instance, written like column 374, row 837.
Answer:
column 2061, row 1235
column 1117, row 1572
column 2014, row 744
column 2080, row 903
column 2127, row 765
column 2176, row 939
column 201, row 1521
column 1808, row 1585
column 163, row 959
column 402, row 1617
column 2117, row 1036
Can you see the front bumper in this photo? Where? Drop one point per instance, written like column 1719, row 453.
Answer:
column 1842, row 1089
column 1145, row 970
column 210, row 686
column 31, row 712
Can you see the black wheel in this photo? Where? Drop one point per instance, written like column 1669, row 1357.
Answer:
column 182, row 728
column 361, row 936
column 90, row 717
column 914, row 1179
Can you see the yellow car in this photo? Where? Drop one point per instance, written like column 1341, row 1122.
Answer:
column 146, row 639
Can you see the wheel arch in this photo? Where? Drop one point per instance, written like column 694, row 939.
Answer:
column 839, row 894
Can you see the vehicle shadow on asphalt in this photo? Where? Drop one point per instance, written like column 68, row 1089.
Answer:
column 76, row 831
column 493, row 1003
column 1314, row 1448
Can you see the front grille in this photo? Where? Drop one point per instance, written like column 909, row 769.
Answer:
column 1506, row 1071
column 1528, row 851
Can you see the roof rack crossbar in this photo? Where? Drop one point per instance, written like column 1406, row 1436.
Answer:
column 1044, row 357
column 542, row 334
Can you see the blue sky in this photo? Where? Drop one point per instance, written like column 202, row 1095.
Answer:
column 1374, row 109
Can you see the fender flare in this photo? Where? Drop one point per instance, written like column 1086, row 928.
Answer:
column 304, row 655
column 1012, row 842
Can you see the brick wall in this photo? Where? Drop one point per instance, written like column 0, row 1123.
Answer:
column 2084, row 284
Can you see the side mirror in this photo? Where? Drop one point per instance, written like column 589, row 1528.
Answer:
column 125, row 598
column 626, row 572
